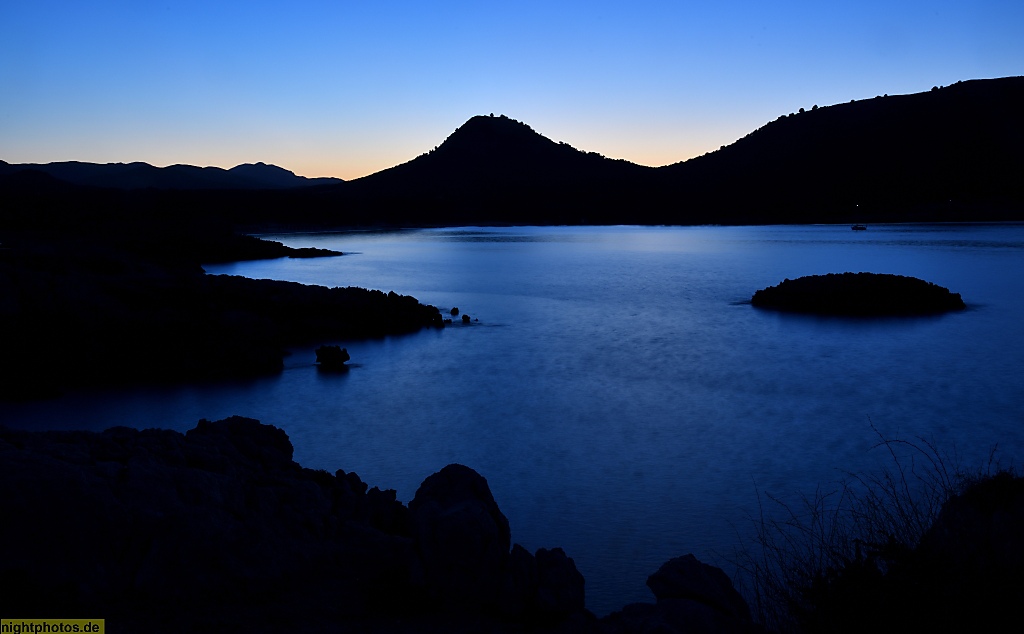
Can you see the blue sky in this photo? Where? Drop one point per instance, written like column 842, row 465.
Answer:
column 346, row 89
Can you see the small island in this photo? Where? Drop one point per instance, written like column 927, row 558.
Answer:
column 859, row 295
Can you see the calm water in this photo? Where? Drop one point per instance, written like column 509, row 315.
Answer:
column 621, row 398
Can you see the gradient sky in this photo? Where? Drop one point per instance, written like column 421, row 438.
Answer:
column 347, row 89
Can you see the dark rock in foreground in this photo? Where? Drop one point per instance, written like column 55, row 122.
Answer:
column 691, row 597
column 859, row 294
column 219, row 530
column 687, row 578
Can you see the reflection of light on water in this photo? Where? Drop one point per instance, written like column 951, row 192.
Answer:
column 630, row 406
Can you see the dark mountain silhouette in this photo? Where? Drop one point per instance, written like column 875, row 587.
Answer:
column 952, row 153
column 267, row 176
column 948, row 154
column 497, row 169
column 143, row 175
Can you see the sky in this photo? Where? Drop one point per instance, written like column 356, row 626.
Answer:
column 345, row 89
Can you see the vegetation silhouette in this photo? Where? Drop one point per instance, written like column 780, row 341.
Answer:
column 859, row 295
column 923, row 545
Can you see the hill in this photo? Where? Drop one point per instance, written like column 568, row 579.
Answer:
column 952, row 153
column 497, row 169
column 949, row 154
column 143, row 175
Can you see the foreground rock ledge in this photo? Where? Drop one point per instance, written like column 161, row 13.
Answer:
column 859, row 294
column 218, row 529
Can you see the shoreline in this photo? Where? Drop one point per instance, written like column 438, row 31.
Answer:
column 92, row 313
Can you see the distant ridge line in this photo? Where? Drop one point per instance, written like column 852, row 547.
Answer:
column 140, row 175
column 947, row 154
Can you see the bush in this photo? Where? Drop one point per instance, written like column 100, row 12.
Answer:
column 921, row 545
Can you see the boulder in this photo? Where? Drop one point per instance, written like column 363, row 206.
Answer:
column 519, row 593
column 688, row 578
column 692, row 598
column 332, row 357
column 967, row 571
column 463, row 539
column 560, row 586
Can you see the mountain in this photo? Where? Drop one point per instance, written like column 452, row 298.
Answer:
column 497, row 169
column 952, row 153
column 264, row 176
column 489, row 151
column 949, row 153
column 143, row 175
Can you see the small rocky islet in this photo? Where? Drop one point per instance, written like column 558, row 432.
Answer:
column 859, row 295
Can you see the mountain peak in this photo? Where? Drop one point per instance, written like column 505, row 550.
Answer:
column 500, row 122
column 489, row 134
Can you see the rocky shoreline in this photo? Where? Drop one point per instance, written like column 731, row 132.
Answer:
column 219, row 530
column 80, row 313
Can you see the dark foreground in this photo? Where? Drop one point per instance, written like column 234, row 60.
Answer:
column 219, row 530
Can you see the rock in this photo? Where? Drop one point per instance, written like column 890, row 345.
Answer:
column 454, row 311
column 968, row 568
column 266, row 445
column 674, row 616
column 463, row 539
column 858, row 294
column 981, row 528
column 465, row 319
column 560, row 586
column 542, row 588
column 519, row 593
column 332, row 357
column 692, row 598
column 687, row 578
column 221, row 524
column 184, row 525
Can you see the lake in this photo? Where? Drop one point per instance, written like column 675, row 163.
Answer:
column 616, row 388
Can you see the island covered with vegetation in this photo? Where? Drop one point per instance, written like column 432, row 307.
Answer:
column 859, row 295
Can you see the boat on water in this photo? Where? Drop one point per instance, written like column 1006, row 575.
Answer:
column 859, row 228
